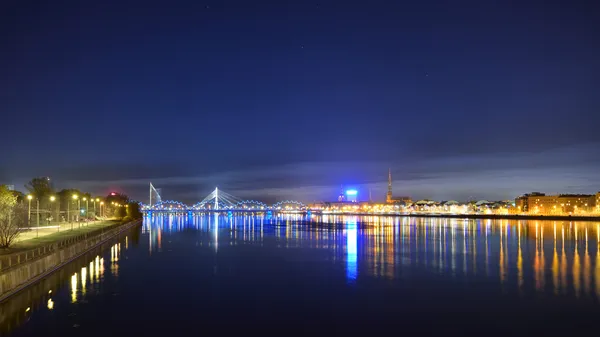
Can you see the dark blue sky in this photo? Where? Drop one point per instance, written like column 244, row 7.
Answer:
column 290, row 99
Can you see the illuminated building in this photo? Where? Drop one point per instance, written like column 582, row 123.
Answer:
column 389, row 198
column 540, row 203
column 351, row 195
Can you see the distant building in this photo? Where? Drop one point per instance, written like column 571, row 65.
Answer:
column 341, row 197
column 389, row 198
column 337, row 206
column 352, row 195
column 537, row 202
column 10, row 187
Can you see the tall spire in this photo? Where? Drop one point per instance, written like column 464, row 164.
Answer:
column 389, row 195
column 341, row 197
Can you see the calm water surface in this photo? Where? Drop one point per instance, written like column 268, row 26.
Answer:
column 210, row 274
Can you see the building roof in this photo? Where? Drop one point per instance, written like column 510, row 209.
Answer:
column 575, row 195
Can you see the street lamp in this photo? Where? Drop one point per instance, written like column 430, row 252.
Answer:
column 69, row 210
column 78, row 211
column 86, row 207
column 29, row 197
column 52, row 199
column 101, row 204
column 94, row 201
column 37, row 215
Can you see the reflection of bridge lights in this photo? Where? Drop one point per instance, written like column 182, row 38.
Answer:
column 351, row 249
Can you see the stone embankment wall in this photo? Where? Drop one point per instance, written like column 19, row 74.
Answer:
column 17, row 271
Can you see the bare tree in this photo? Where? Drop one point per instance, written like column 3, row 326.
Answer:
column 13, row 217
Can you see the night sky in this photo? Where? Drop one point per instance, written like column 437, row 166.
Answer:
column 290, row 99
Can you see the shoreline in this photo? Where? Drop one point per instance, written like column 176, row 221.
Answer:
column 480, row 216
column 63, row 253
column 415, row 215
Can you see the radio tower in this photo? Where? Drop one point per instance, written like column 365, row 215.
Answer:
column 389, row 196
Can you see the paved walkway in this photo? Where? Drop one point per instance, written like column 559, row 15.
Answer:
column 49, row 233
column 46, row 229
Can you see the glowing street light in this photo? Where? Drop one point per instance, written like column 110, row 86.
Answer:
column 52, row 199
column 74, row 196
column 29, row 197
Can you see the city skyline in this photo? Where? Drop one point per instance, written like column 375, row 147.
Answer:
column 271, row 100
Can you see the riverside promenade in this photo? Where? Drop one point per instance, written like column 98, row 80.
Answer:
column 32, row 259
column 53, row 232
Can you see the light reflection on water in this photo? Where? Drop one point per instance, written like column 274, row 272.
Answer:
column 541, row 258
column 556, row 257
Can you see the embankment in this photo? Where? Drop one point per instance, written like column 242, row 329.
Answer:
column 19, row 270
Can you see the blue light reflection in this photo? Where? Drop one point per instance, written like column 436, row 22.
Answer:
column 351, row 249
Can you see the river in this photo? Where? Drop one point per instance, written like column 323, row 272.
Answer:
column 327, row 275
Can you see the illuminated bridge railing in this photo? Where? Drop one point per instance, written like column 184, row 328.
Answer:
column 219, row 200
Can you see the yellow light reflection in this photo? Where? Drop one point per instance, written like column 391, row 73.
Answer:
column 50, row 304
column 576, row 267
column 555, row 265
column 563, row 263
column 597, row 278
column 83, row 280
column 501, row 262
column 519, row 259
column 92, row 274
column 97, row 268
column 586, row 267
column 74, row 288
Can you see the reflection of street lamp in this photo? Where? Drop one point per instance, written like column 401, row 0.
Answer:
column 29, row 197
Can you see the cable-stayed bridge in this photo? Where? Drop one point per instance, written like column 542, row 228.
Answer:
column 218, row 201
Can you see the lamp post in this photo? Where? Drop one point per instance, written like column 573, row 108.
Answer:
column 86, row 208
column 29, row 197
column 78, row 211
column 74, row 198
column 94, row 202
column 101, row 212
column 52, row 199
column 37, row 216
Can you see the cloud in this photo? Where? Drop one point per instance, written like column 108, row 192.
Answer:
column 475, row 176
